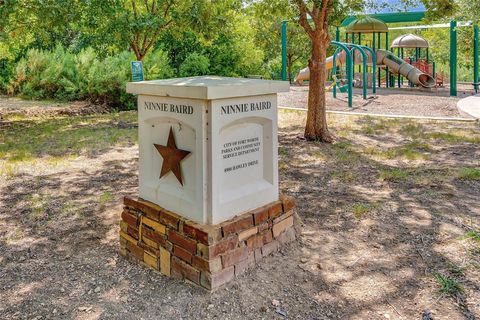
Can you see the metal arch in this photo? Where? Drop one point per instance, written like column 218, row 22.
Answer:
column 374, row 67
column 334, row 69
column 364, row 63
column 349, row 69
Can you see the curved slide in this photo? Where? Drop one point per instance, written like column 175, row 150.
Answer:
column 384, row 59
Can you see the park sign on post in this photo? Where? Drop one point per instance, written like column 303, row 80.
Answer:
column 209, row 206
column 137, row 71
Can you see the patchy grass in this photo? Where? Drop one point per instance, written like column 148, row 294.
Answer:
column 469, row 174
column 8, row 170
column 360, row 209
column 57, row 138
column 375, row 128
column 67, row 209
column 15, row 234
column 455, row 270
column 345, row 176
column 421, row 176
column 40, row 207
column 474, row 235
column 394, row 174
column 342, row 151
column 318, row 154
column 282, row 151
column 453, row 137
column 378, row 126
column 448, row 285
column 412, row 130
column 105, row 197
column 44, row 208
column 415, row 150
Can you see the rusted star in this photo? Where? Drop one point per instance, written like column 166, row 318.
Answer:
column 172, row 156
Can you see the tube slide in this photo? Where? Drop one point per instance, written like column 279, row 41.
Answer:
column 397, row 65
column 385, row 59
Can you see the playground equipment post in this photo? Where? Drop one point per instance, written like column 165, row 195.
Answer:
column 453, row 58
column 475, row 58
column 284, row 50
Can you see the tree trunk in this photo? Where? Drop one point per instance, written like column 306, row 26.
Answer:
column 316, row 126
column 289, row 68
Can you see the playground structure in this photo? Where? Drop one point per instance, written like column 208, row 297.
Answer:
column 384, row 59
column 411, row 41
column 366, row 36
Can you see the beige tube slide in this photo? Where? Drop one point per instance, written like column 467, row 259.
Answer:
column 384, row 59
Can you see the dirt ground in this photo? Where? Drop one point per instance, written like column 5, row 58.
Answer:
column 402, row 101
column 391, row 216
column 13, row 106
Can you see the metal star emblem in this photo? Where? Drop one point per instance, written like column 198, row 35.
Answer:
column 172, row 156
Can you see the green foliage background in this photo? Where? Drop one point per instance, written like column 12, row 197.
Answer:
column 80, row 49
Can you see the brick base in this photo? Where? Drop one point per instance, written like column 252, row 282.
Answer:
column 209, row 256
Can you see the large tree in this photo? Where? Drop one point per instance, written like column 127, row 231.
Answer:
column 316, row 17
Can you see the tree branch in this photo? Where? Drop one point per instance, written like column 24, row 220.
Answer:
column 323, row 16
column 303, row 21
column 167, row 8
column 153, row 10
column 155, row 35
column 134, row 9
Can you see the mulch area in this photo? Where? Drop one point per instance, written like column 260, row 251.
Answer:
column 392, row 101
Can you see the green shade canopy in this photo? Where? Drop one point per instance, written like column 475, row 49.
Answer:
column 367, row 25
column 409, row 41
column 391, row 17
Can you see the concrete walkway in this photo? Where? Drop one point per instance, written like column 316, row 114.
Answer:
column 470, row 106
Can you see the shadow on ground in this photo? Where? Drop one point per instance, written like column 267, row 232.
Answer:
column 373, row 239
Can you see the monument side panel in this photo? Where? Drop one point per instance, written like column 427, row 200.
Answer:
column 244, row 155
column 172, row 152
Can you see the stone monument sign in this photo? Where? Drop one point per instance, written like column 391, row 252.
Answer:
column 209, row 205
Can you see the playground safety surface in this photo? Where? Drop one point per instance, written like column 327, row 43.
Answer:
column 398, row 101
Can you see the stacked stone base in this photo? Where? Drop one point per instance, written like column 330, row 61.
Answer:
column 206, row 255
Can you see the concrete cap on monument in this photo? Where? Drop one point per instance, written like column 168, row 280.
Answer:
column 208, row 145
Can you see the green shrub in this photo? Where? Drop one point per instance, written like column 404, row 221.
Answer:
column 62, row 75
column 85, row 60
column 47, row 74
column 104, row 81
column 273, row 69
column 6, row 73
column 225, row 59
column 157, row 66
column 194, row 65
